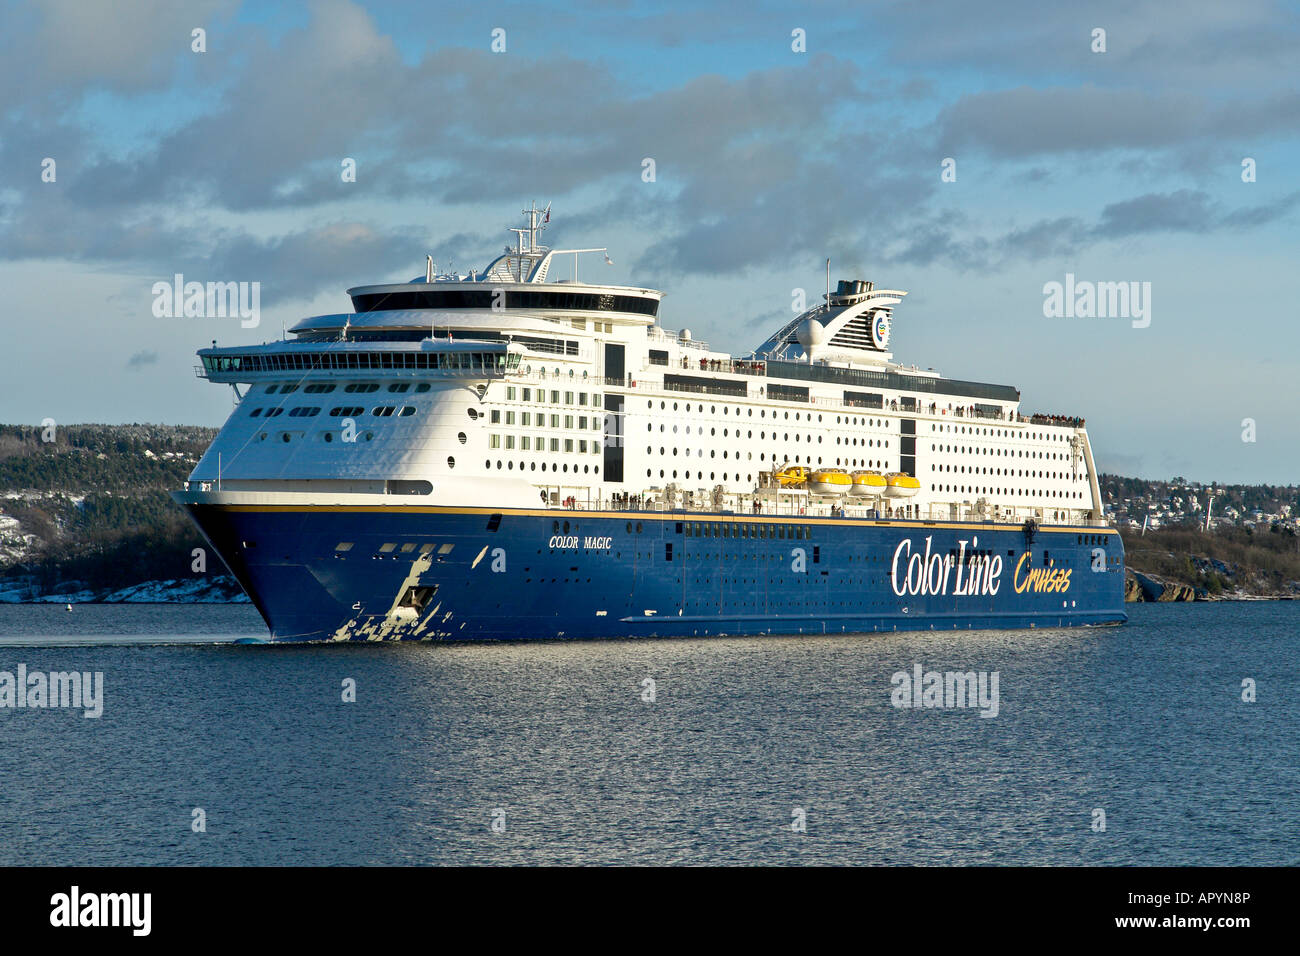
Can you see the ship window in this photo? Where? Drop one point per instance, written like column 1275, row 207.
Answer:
column 270, row 389
column 451, row 462
column 399, row 387
column 256, row 412
column 386, row 547
column 319, row 389
column 343, row 546
column 408, row 411
column 423, row 387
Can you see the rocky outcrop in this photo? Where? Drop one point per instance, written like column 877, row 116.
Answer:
column 1140, row 586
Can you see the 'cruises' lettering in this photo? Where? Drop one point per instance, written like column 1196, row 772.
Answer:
column 1040, row 580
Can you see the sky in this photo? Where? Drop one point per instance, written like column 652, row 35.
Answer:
column 970, row 154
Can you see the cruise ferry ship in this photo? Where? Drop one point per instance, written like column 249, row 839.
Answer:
column 506, row 454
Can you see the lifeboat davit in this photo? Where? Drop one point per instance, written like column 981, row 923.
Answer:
column 792, row 476
column 867, row 484
column 899, row 485
column 830, row 481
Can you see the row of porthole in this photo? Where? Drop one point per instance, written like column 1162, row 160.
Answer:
column 961, row 469
column 713, row 410
column 964, row 489
column 532, row 466
column 959, row 450
column 1006, row 472
column 998, row 432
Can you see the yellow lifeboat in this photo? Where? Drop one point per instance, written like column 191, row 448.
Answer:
column 867, row 484
column 830, row 481
column 792, row 476
column 899, row 485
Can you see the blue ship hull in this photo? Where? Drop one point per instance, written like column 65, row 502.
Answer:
column 344, row 572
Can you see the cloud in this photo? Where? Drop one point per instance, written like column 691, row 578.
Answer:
column 1186, row 211
column 792, row 159
column 1030, row 122
column 140, row 359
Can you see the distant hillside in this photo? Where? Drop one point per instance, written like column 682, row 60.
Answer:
column 1225, row 563
column 89, row 512
column 1179, row 501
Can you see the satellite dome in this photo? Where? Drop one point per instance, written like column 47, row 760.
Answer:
column 811, row 332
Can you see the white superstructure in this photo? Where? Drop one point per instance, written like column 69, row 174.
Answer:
column 513, row 386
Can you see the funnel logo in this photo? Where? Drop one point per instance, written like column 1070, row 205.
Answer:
column 880, row 330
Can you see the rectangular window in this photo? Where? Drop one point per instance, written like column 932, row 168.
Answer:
column 582, row 446
column 496, row 416
column 595, row 447
column 568, row 398
column 528, row 395
column 510, row 441
column 525, row 443
column 568, row 421
column 595, row 400
column 527, row 419
column 494, row 441
column 568, row 444
column 555, row 421
column 582, row 422
column 510, row 393
column 510, row 418
column 582, row 398
column 555, row 444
